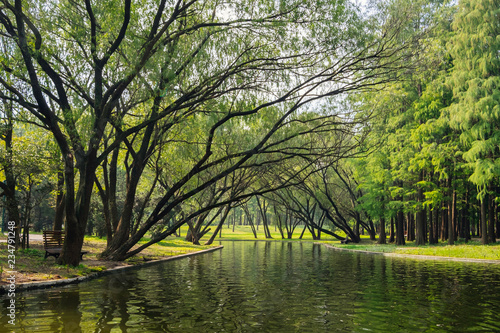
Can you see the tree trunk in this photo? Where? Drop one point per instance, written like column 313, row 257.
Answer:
column 444, row 222
column 77, row 208
column 382, row 236
column 451, row 218
column 431, row 227
column 392, row 235
column 400, row 228
column 250, row 220
column 59, row 214
column 411, row 227
column 9, row 186
column 497, row 221
column 491, row 219
column 420, row 221
column 219, row 226
column 484, row 228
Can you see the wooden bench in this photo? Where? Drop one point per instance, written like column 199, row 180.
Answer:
column 53, row 241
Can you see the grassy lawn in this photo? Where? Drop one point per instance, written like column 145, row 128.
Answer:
column 30, row 264
column 244, row 232
column 471, row 250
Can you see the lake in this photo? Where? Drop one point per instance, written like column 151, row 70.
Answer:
column 272, row 287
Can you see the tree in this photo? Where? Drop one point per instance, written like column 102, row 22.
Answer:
column 8, row 186
column 99, row 83
column 476, row 82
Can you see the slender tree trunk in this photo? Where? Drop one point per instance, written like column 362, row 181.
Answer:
column 392, row 235
column 451, row 218
column 497, row 221
column 420, row 222
column 444, row 222
column 411, row 227
column 431, row 227
column 484, row 228
column 219, row 226
column 491, row 219
column 250, row 220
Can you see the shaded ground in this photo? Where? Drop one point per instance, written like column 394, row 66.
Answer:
column 30, row 265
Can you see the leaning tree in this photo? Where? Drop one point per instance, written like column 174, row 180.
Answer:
column 128, row 75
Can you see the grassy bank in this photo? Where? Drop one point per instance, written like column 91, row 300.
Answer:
column 30, row 264
column 470, row 250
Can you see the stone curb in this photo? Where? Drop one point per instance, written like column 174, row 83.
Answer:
column 62, row 282
column 415, row 256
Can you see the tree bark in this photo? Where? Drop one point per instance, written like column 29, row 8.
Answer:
column 59, row 213
column 9, row 187
column 392, row 235
column 484, row 228
column 382, row 236
column 219, row 226
column 491, row 219
column 400, row 228
column 451, row 218
column 420, row 222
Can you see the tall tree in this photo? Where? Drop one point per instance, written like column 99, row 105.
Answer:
column 476, row 84
column 89, row 76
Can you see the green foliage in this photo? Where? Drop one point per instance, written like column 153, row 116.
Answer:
column 476, row 86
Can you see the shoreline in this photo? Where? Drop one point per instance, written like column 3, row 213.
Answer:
column 24, row 286
column 415, row 256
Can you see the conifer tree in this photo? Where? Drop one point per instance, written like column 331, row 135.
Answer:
column 475, row 79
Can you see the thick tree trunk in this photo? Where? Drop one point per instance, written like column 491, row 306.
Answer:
column 382, row 236
column 59, row 214
column 9, row 186
column 77, row 208
column 400, row 228
column 371, row 231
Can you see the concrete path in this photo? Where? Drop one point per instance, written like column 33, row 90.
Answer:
column 33, row 238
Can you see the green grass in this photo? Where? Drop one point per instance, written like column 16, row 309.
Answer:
column 471, row 250
column 244, row 232
column 31, row 265
column 31, row 262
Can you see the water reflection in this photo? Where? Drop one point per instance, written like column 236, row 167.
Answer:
column 273, row 287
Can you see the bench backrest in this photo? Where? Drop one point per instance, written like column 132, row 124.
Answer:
column 53, row 239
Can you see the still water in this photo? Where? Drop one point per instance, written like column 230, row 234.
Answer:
column 273, row 287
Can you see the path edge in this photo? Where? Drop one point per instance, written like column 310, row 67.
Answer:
column 414, row 256
column 62, row 282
